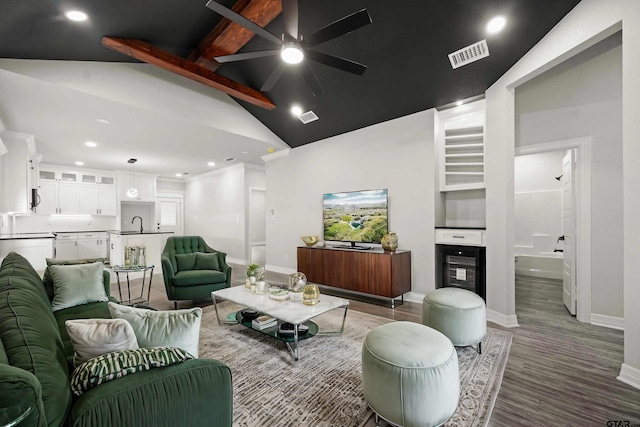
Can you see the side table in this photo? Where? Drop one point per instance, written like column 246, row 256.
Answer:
column 140, row 300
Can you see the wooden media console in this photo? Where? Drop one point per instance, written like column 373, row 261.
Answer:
column 372, row 272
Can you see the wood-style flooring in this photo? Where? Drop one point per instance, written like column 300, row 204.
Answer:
column 560, row 372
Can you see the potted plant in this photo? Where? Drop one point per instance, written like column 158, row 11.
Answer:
column 252, row 270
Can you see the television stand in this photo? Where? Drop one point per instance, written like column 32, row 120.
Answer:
column 353, row 246
column 375, row 273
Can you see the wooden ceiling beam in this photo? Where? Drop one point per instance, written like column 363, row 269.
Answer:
column 147, row 53
column 228, row 37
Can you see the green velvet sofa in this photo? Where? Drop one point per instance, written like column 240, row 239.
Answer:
column 35, row 367
column 185, row 276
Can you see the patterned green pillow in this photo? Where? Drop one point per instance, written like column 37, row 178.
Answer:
column 114, row 365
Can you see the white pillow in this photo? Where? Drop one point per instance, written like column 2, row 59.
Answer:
column 77, row 284
column 94, row 337
column 173, row 328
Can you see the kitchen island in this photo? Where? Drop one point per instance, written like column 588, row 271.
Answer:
column 152, row 241
column 35, row 247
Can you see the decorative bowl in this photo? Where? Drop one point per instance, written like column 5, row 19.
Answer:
column 309, row 240
column 249, row 314
column 279, row 295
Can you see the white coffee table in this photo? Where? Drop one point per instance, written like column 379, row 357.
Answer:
column 292, row 312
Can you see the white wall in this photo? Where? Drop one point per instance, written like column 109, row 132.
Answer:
column 254, row 208
column 583, row 97
column 588, row 23
column 397, row 155
column 538, row 202
column 216, row 205
column 257, row 216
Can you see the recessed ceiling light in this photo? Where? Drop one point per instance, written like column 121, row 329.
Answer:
column 291, row 53
column 90, row 144
column 244, row 152
column 79, row 163
column 229, row 159
column 211, row 164
column 178, row 175
column 296, row 110
column 271, row 150
column 76, row 15
column 103, row 121
column 496, row 24
column 458, row 103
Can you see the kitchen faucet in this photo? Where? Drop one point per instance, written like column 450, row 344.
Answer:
column 140, row 218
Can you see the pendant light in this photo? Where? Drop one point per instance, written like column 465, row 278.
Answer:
column 132, row 191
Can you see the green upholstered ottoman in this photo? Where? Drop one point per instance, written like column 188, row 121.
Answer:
column 410, row 374
column 459, row 314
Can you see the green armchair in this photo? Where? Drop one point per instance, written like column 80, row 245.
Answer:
column 192, row 270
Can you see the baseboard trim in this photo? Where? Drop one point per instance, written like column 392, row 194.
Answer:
column 630, row 375
column 607, row 321
column 283, row 270
column 502, row 319
column 414, row 297
column 237, row 260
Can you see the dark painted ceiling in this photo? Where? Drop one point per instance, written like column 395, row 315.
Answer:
column 405, row 49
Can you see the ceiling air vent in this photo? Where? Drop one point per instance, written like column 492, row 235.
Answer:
column 308, row 117
column 469, row 54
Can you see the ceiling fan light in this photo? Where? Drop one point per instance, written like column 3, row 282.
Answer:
column 291, row 53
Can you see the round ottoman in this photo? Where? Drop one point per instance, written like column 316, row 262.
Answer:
column 410, row 374
column 459, row 314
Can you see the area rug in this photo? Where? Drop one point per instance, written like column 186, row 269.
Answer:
column 324, row 388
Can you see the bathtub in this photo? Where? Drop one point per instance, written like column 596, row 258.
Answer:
column 547, row 265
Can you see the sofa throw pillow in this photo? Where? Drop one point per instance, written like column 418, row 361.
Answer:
column 95, row 337
column 76, row 285
column 173, row 328
column 47, row 280
column 205, row 261
column 114, row 365
column 186, row 261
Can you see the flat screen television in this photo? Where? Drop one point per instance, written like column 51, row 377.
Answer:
column 355, row 217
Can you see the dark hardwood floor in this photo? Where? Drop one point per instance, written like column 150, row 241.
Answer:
column 560, row 372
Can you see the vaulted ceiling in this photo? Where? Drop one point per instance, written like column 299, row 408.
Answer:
column 405, row 49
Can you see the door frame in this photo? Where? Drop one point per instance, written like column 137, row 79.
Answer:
column 179, row 196
column 583, row 214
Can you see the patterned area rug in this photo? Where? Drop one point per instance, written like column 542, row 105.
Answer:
column 324, row 388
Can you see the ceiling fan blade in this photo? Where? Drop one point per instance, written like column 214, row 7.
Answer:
column 312, row 80
column 341, row 26
column 336, row 62
column 290, row 14
column 241, row 20
column 273, row 77
column 247, row 55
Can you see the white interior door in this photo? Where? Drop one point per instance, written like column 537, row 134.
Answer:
column 169, row 217
column 569, row 294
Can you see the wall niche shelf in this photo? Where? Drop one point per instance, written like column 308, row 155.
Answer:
column 461, row 142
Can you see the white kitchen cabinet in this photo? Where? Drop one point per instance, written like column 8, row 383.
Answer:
column 87, row 244
column 58, row 192
column 17, row 168
column 461, row 143
column 145, row 184
column 97, row 199
column 65, row 246
column 76, row 192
